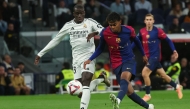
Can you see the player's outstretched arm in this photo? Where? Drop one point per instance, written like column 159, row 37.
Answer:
column 133, row 44
column 54, row 42
column 162, row 35
column 98, row 51
column 91, row 35
column 139, row 46
column 97, row 28
column 172, row 46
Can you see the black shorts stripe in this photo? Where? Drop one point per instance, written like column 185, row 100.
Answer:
column 85, row 88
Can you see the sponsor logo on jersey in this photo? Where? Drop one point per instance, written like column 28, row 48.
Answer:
column 147, row 36
column 78, row 34
column 118, row 40
column 72, row 28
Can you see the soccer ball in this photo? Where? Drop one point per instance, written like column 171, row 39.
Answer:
column 74, row 87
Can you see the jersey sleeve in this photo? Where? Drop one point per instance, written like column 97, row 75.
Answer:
column 133, row 34
column 139, row 37
column 161, row 34
column 55, row 41
column 100, row 47
column 95, row 25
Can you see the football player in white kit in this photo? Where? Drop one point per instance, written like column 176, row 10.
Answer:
column 80, row 30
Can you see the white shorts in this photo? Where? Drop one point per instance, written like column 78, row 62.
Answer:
column 79, row 69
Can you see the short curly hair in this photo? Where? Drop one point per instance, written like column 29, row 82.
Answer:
column 113, row 16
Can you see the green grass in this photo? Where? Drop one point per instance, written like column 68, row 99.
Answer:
column 161, row 100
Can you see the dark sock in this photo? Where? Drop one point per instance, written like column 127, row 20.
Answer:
column 138, row 100
column 147, row 88
column 123, row 89
column 173, row 84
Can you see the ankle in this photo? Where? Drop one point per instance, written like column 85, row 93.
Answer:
column 148, row 95
column 118, row 100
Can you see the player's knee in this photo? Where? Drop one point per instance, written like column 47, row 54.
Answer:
column 126, row 76
column 86, row 82
column 146, row 70
column 145, row 73
column 86, row 78
column 129, row 92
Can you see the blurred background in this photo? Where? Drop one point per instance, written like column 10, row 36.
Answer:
column 26, row 26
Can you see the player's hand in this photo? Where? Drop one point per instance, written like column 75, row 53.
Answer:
column 91, row 35
column 86, row 62
column 37, row 59
column 175, row 54
column 145, row 59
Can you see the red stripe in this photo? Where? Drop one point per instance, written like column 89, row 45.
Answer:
column 160, row 48
column 115, row 55
column 144, row 33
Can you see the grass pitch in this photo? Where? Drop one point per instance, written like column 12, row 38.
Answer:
column 161, row 100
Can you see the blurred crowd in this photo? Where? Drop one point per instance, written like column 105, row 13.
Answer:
column 173, row 20
column 11, row 80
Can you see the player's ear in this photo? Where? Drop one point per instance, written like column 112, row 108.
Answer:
column 153, row 20
column 120, row 21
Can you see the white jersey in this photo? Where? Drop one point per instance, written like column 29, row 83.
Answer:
column 81, row 49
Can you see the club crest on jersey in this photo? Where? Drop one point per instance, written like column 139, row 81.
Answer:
column 147, row 36
column 85, row 26
column 118, row 40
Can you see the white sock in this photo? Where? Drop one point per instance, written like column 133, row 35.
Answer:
column 85, row 97
column 95, row 82
column 118, row 100
column 148, row 94
column 177, row 86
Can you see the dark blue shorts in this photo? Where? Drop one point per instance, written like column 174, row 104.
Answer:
column 153, row 64
column 129, row 66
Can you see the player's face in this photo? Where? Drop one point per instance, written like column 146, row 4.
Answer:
column 149, row 21
column 79, row 15
column 115, row 26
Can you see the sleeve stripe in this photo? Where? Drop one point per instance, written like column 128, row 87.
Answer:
column 69, row 22
column 93, row 20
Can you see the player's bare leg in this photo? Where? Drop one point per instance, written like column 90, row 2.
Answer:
column 146, row 76
column 86, row 79
column 126, row 88
column 102, row 78
column 168, row 79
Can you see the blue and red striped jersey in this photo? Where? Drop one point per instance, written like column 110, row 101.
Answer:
column 151, row 41
column 119, row 45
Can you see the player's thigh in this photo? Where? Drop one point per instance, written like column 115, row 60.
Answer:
column 117, row 72
column 151, row 66
column 161, row 72
column 89, row 67
column 88, row 73
column 128, row 70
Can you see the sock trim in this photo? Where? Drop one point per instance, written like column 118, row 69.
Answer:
column 85, row 87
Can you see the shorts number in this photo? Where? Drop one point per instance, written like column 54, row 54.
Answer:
column 74, row 68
